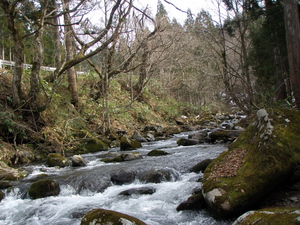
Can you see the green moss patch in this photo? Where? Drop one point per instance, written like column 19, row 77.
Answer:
column 262, row 158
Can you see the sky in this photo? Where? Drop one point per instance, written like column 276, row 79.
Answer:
column 194, row 5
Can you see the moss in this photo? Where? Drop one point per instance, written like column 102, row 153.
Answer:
column 272, row 216
column 95, row 145
column 103, row 217
column 55, row 159
column 127, row 144
column 157, row 153
column 44, row 188
column 271, row 156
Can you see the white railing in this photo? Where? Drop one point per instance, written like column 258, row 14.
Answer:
column 28, row 66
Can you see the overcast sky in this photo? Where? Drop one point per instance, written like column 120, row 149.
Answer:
column 195, row 6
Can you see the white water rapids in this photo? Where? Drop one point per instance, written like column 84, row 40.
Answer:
column 158, row 208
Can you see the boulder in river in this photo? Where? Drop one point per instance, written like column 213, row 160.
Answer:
column 218, row 135
column 44, row 188
column 138, row 191
column 123, row 177
column 262, row 158
column 2, row 195
column 127, row 144
column 105, row 217
column 188, row 142
column 270, row 216
column 195, row 202
column 158, row 175
column 77, row 160
column 156, row 152
column 123, row 157
column 55, row 159
column 201, row 166
column 95, row 145
column 138, row 137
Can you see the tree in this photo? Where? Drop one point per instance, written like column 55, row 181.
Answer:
column 292, row 27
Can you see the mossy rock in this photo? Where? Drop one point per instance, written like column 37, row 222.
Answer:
column 156, row 152
column 201, row 166
column 44, row 188
column 11, row 174
column 262, row 158
column 55, row 159
column 105, row 217
column 270, row 216
column 95, row 145
column 2, row 195
column 127, row 144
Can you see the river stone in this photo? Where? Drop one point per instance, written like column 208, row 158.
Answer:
column 276, row 215
column 195, row 202
column 77, row 160
column 55, row 159
column 10, row 174
column 2, row 195
column 127, row 144
column 188, row 142
column 138, row 137
column 123, row 177
column 138, row 191
column 156, row 152
column 107, row 217
column 262, row 158
column 44, row 188
column 157, row 175
column 218, row 135
column 201, row 166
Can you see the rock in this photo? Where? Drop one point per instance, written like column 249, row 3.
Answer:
column 105, row 217
column 224, row 135
column 188, row 142
column 183, row 120
column 44, row 188
column 156, row 152
column 262, row 158
column 270, row 216
column 77, row 160
column 138, row 191
column 199, row 135
column 138, row 137
column 127, row 144
column 150, row 137
column 123, row 177
column 155, row 128
column 123, row 157
column 55, row 159
column 10, row 174
column 201, row 166
column 95, row 145
column 157, row 175
column 2, row 195
column 195, row 202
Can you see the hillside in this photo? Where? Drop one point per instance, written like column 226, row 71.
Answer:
column 26, row 137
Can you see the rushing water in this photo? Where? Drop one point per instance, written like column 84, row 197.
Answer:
column 72, row 203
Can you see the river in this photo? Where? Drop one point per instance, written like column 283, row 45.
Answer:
column 85, row 188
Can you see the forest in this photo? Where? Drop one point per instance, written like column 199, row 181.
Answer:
column 105, row 66
column 113, row 113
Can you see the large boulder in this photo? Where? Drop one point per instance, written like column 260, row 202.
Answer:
column 220, row 135
column 138, row 137
column 127, row 144
column 123, row 157
column 262, row 158
column 270, row 216
column 123, row 177
column 55, row 159
column 157, row 152
column 44, row 188
column 105, row 217
column 188, row 142
column 138, row 191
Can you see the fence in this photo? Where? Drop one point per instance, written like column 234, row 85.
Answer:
column 28, row 66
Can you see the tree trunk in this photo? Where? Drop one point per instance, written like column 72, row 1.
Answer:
column 292, row 27
column 70, row 54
